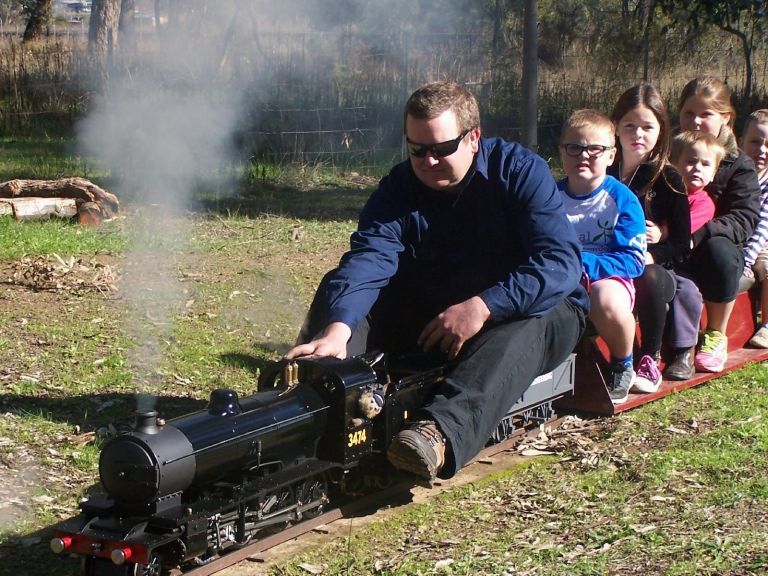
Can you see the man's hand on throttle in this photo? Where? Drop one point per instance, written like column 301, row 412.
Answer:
column 332, row 342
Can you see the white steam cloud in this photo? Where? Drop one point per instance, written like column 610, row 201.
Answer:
column 162, row 132
column 164, row 125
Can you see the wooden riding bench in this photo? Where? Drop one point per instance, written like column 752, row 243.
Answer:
column 592, row 360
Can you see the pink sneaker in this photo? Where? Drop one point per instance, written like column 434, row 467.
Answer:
column 648, row 376
column 713, row 352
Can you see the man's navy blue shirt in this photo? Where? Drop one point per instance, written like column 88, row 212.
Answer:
column 503, row 237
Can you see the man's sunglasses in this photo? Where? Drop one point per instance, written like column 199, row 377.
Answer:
column 593, row 150
column 441, row 149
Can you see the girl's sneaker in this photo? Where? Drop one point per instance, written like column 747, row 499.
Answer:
column 760, row 339
column 713, row 352
column 648, row 377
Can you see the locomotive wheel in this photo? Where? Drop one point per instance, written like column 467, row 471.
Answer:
column 310, row 491
column 153, row 568
column 277, row 501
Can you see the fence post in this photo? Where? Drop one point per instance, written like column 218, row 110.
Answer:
column 530, row 76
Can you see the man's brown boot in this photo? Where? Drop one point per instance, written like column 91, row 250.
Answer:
column 419, row 449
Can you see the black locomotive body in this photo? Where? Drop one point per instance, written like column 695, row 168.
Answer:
column 182, row 492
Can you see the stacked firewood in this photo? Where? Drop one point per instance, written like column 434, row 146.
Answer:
column 64, row 198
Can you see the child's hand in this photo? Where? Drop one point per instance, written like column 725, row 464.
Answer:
column 653, row 233
column 664, row 232
column 749, row 273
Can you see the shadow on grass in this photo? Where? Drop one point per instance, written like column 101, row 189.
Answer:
column 92, row 411
column 245, row 361
column 320, row 202
column 30, row 554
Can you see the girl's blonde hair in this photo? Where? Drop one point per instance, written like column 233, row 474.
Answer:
column 713, row 92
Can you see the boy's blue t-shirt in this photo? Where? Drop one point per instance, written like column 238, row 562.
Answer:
column 610, row 225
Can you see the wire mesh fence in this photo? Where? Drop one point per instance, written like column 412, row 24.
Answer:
column 315, row 97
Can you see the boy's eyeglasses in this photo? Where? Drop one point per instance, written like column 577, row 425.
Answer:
column 440, row 149
column 593, row 150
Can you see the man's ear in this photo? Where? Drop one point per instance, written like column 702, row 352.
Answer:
column 474, row 139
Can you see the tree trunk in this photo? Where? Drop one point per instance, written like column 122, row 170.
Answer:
column 530, row 107
column 648, row 24
column 102, row 37
column 158, row 13
column 38, row 21
column 127, row 24
column 748, row 72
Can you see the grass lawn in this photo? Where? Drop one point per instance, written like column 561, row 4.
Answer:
column 91, row 318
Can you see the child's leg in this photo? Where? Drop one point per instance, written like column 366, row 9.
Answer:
column 718, row 314
column 655, row 290
column 611, row 312
column 611, row 301
column 685, row 314
column 685, row 318
column 761, row 273
column 764, row 302
column 760, row 339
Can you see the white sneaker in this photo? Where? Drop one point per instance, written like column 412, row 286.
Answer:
column 648, row 376
column 760, row 339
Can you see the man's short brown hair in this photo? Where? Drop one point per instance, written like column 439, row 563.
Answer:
column 431, row 100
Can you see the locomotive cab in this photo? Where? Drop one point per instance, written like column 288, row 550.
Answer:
column 348, row 435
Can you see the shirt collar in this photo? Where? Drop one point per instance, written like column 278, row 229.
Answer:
column 480, row 165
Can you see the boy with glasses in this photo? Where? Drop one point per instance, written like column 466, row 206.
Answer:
column 610, row 224
column 463, row 253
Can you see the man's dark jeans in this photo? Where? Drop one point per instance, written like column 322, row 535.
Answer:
column 492, row 371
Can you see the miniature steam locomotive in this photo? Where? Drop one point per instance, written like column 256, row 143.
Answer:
column 181, row 492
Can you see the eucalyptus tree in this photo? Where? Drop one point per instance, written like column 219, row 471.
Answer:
column 102, row 38
column 40, row 15
column 746, row 19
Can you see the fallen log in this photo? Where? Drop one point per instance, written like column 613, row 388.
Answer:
column 38, row 208
column 94, row 204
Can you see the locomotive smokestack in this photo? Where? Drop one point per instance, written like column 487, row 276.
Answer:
column 146, row 422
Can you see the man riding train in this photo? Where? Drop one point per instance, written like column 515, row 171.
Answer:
column 464, row 251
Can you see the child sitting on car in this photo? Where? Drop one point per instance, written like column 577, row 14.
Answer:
column 610, row 224
column 754, row 143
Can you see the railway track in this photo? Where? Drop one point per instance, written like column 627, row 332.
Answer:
column 357, row 507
